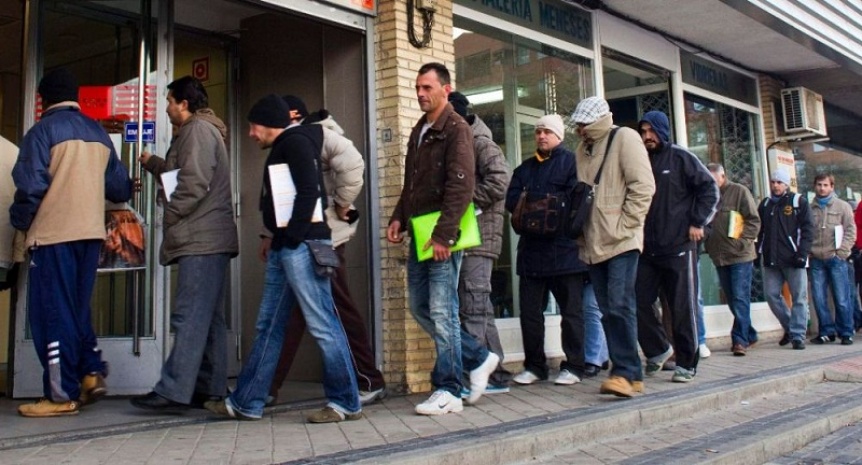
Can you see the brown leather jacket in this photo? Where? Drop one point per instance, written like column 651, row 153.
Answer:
column 439, row 174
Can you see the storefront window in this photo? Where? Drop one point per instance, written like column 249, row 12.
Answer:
column 719, row 133
column 633, row 87
column 511, row 81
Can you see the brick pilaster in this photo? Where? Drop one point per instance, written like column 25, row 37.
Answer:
column 408, row 351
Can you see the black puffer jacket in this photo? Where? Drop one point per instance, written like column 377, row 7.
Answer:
column 542, row 256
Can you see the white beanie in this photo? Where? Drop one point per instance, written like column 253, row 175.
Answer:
column 553, row 123
column 590, row 110
column 780, row 175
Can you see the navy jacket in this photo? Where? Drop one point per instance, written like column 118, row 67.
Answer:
column 685, row 194
column 786, row 231
column 541, row 256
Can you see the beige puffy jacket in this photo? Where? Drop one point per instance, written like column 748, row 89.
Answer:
column 624, row 192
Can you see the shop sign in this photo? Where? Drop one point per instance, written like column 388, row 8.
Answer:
column 551, row 17
column 148, row 134
column 713, row 77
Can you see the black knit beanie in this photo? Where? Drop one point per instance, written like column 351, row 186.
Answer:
column 459, row 103
column 270, row 111
column 58, row 86
column 297, row 106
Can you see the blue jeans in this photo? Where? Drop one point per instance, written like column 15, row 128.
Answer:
column 794, row 320
column 433, row 288
column 736, row 282
column 595, row 345
column 614, row 283
column 832, row 273
column 290, row 279
column 699, row 319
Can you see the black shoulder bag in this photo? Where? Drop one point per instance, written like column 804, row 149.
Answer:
column 583, row 196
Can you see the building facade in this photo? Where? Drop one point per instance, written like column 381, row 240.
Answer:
column 719, row 69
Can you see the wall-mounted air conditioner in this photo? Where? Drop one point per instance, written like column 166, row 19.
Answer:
column 802, row 110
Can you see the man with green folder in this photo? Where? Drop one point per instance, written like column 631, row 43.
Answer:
column 439, row 175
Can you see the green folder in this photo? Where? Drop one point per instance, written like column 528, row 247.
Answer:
column 423, row 226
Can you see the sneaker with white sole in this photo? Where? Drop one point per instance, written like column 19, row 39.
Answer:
column 654, row 364
column 490, row 390
column 682, row 375
column 369, row 397
column 440, row 403
column 479, row 376
column 703, row 351
column 526, row 377
column 566, row 377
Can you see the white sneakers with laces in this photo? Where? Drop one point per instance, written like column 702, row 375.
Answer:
column 566, row 377
column 440, row 403
column 479, row 377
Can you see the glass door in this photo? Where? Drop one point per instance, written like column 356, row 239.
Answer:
column 109, row 47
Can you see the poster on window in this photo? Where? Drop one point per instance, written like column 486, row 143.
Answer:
column 779, row 159
column 123, row 248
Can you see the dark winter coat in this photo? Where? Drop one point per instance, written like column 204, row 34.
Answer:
column 786, row 231
column 492, row 180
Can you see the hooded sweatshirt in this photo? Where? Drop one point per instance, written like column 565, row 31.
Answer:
column 686, row 194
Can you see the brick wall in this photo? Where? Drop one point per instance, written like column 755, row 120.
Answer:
column 770, row 102
column 408, row 351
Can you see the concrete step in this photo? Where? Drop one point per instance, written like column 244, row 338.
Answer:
column 524, row 440
column 751, row 432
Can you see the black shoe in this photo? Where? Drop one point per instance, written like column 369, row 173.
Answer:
column 153, row 401
column 784, row 340
column 606, row 365
column 820, row 340
column 591, row 371
column 198, row 400
column 846, row 341
column 798, row 344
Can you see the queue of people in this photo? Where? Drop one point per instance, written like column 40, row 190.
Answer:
column 651, row 203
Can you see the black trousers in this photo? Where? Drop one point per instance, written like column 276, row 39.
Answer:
column 676, row 277
column 567, row 290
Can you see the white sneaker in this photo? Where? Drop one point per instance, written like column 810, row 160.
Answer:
column 440, row 403
column 566, row 377
column 703, row 351
column 526, row 377
column 479, row 377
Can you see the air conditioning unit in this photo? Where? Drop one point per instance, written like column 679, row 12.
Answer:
column 803, row 112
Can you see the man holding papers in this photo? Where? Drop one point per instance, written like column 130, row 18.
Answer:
column 730, row 245
column 439, row 175
column 834, row 235
column 292, row 274
column 200, row 237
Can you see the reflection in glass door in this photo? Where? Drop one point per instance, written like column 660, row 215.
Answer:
column 107, row 47
column 512, row 81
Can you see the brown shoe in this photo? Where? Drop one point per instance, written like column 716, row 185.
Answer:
column 738, row 350
column 93, row 388
column 618, row 386
column 44, row 408
column 330, row 415
column 638, row 386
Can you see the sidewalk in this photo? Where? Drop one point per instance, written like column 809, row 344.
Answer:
column 391, row 431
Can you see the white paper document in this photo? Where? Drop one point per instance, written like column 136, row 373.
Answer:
column 839, row 236
column 169, row 182
column 284, row 195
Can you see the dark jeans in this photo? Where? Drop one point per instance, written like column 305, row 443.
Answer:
column 368, row 377
column 198, row 360
column 477, row 311
column 567, row 290
column 60, row 286
column 614, row 283
column 736, row 283
column 676, row 276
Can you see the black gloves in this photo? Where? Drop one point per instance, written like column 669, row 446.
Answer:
column 800, row 261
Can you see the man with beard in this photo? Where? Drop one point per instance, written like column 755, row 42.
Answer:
column 685, row 202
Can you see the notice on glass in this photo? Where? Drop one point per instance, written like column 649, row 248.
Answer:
column 169, row 182
column 284, row 195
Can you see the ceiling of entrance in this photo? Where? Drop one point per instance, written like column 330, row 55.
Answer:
column 726, row 33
